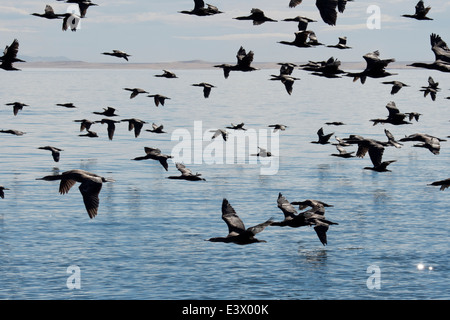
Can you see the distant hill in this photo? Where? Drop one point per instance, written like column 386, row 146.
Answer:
column 44, row 59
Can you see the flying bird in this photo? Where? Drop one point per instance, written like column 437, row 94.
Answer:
column 85, row 124
column 342, row 44
column 244, row 61
column 108, row 112
column 375, row 68
column 55, row 152
column 328, row 9
column 286, row 80
column 167, row 74
column 118, row 54
column 2, row 193
column 395, row 117
column 421, row 12
column 257, row 16
column 83, row 5
column 206, row 88
column 262, row 153
column 396, row 86
column 10, row 56
column 186, row 174
column 239, row 126
column 156, row 128
column 158, row 99
column 136, row 125
column 323, row 138
column 427, row 141
column 17, row 106
column 70, row 21
column 342, row 152
column 300, row 40
column 13, row 132
column 48, row 13
column 89, row 134
column 219, row 132
column 155, row 154
column 135, row 91
column 237, row 233
column 66, row 105
column 327, row 69
column 111, row 126
column 277, row 127
column 201, row 10
column 307, row 218
column 432, row 89
column 302, row 22
column 90, row 187
column 444, row 184
column 441, row 54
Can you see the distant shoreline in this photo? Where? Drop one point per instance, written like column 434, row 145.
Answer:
column 180, row 65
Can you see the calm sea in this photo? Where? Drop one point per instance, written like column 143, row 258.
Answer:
column 148, row 240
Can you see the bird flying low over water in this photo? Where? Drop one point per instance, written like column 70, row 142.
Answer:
column 186, row 174
column 342, row 152
column 55, row 152
column 327, row 9
column 155, row 154
column 286, row 80
column 10, row 56
column 375, row 68
column 135, row 124
column 327, row 69
column 395, row 117
column 220, row 132
column 135, row 91
column 441, row 54
column 300, row 40
column 66, row 105
column 342, row 44
column 444, row 184
column 239, row 126
column 14, row 132
column 167, row 74
column 237, row 233
column 48, row 13
column 277, row 127
column 396, row 86
column 90, row 187
column 17, row 106
column 2, row 193
column 118, row 54
column 323, row 138
column 432, row 89
column 307, row 218
column 428, row 142
column 108, row 112
column 201, row 10
column 421, row 12
column 156, row 128
column 244, row 61
column 257, row 16
column 85, row 124
column 89, row 134
column 158, row 99
column 111, row 126
column 206, row 88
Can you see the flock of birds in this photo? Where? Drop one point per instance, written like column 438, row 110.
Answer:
column 91, row 184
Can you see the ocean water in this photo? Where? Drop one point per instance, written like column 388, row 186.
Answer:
column 148, row 240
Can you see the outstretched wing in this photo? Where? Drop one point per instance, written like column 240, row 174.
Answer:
column 234, row 223
column 285, row 206
column 90, row 191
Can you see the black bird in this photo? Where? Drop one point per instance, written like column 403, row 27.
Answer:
column 429, row 142
column 206, row 88
column 16, row 106
column 90, row 134
column 201, row 10
column 158, row 99
column 342, row 44
column 167, row 74
column 335, row 123
column 66, row 105
column 441, row 54
column 413, row 115
column 375, row 150
column 286, row 80
column 287, row 67
column 300, row 40
column 395, row 117
column 323, row 138
column 156, row 128
column 111, row 126
column 444, row 184
column 257, row 16
column 237, row 233
column 421, row 12
column 317, row 206
column 71, row 20
column 14, row 132
column 135, row 124
column 48, row 13
column 135, row 91
column 155, row 154
column 219, row 132
column 10, row 56
column 391, row 140
column 108, row 112
column 396, row 86
column 118, row 54
column 186, row 174
column 302, row 22
column 2, row 193
column 262, row 153
column 432, row 89
column 90, row 187
column 85, row 124
column 277, row 127
column 327, row 9
column 307, row 218
column 343, row 153
column 244, row 61
column 327, row 69
column 375, row 68
column 83, row 5
column 55, row 152
column 239, row 126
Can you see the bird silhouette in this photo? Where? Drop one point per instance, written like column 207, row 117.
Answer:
column 55, row 152
column 427, row 141
column 85, row 124
column 167, row 74
column 90, row 187
column 48, row 13
column 441, row 54
column 237, row 233
column 302, row 22
column 219, row 132
column 395, row 117
column 156, row 128
column 17, row 106
column 323, row 138
column 375, row 68
column 206, row 88
column 396, row 86
column 421, row 12
column 328, row 9
column 135, row 91
column 2, row 193
column 83, row 5
column 136, row 125
column 118, row 54
column 10, row 56
column 158, row 99
column 201, row 10
column 111, row 126
column 257, row 16
column 108, row 112
column 443, row 184
column 244, row 61
column 69, row 105
column 155, row 154
column 342, row 44
column 186, row 174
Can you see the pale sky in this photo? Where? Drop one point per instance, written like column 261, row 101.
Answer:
column 154, row 31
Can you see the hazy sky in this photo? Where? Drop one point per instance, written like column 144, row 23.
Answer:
column 154, row 31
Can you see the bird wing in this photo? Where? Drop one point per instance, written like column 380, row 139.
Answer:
column 182, row 168
column 327, row 10
column 259, row 227
column 294, row 3
column 439, row 48
column 11, row 51
column 285, row 206
column 90, row 190
column 321, row 231
column 376, row 154
column 234, row 223
column 65, row 185
column 198, row 4
column 154, row 151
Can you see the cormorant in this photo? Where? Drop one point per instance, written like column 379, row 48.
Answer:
column 135, row 124
column 343, row 153
column 85, row 124
column 156, row 128
column 277, row 127
column 327, row 9
column 10, row 56
column 239, row 126
column 323, row 138
column 257, row 16
column 206, row 88
column 395, row 117
column 90, row 187
column 135, row 91
column 441, row 54
column 429, row 142
column 302, row 22
column 2, row 193
column 167, row 74
column 155, row 154
column 71, row 20
column 186, row 174
column 342, row 44
column 201, row 10
column 55, row 152
column 118, row 54
column 48, row 13
column 421, row 12
column 237, row 233
column 66, row 105
column 220, row 132
column 108, row 112
column 17, row 106
column 158, row 99
column 375, row 68
column 14, row 132
column 262, row 153
column 444, row 184
column 396, row 86
column 244, row 61
column 111, row 126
